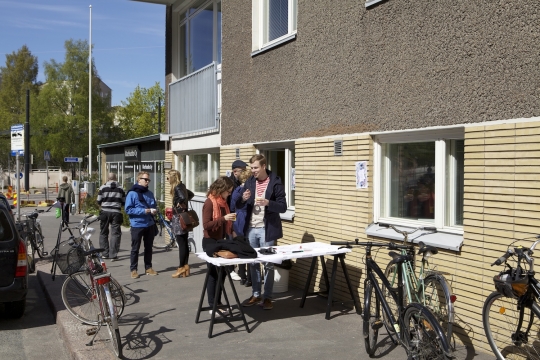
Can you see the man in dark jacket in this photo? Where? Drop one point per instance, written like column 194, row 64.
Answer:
column 237, row 167
column 66, row 192
column 111, row 198
column 264, row 199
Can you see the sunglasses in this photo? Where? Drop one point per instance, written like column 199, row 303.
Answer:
column 145, row 179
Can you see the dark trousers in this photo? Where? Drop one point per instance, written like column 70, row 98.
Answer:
column 115, row 220
column 65, row 212
column 242, row 272
column 212, row 277
column 146, row 235
column 183, row 249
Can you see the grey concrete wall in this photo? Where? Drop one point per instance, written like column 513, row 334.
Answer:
column 402, row 64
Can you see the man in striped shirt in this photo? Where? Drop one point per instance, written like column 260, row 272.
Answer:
column 111, row 198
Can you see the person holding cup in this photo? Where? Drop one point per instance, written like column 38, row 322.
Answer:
column 141, row 208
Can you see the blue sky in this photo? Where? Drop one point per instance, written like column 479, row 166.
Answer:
column 128, row 37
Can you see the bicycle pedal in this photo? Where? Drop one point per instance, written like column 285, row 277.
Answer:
column 45, row 253
column 91, row 331
column 377, row 325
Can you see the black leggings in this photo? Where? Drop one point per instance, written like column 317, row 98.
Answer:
column 213, row 277
column 183, row 248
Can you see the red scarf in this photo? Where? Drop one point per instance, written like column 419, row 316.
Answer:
column 219, row 202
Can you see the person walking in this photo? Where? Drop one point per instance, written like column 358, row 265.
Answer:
column 66, row 192
column 264, row 199
column 217, row 226
column 181, row 196
column 111, row 198
column 240, row 222
column 141, row 208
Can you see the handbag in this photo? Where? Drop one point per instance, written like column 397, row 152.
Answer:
column 226, row 254
column 188, row 220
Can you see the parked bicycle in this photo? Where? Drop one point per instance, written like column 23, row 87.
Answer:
column 429, row 287
column 33, row 237
column 161, row 241
column 413, row 326
column 511, row 314
column 89, row 292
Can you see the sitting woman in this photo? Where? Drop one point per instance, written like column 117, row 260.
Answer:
column 217, row 225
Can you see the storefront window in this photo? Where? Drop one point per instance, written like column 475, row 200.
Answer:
column 199, row 172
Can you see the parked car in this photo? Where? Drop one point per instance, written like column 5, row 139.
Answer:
column 13, row 266
column 4, row 201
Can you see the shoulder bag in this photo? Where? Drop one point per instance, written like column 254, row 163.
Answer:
column 188, row 218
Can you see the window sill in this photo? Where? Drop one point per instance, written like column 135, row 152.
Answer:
column 372, row 2
column 439, row 240
column 274, row 44
column 287, row 215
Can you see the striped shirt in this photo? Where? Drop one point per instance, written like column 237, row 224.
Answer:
column 257, row 217
column 111, row 198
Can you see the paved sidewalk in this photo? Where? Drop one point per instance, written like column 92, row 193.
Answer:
column 159, row 318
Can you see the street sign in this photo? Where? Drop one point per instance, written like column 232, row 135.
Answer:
column 47, row 155
column 17, row 152
column 72, row 159
column 17, row 137
column 20, row 176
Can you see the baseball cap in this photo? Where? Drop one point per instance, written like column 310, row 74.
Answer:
column 238, row 164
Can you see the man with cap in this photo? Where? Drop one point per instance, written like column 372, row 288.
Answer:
column 237, row 167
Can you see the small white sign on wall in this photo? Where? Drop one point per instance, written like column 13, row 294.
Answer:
column 361, row 175
column 228, row 173
column 293, row 179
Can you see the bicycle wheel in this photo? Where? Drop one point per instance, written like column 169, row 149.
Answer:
column 163, row 239
column 372, row 319
column 111, row 319
column 423, row 335
column 40, row 247
column 392, row 276
column 118, row 296
column 437, row 299
column 30, row 253
column 500, row 317
column 80, row 299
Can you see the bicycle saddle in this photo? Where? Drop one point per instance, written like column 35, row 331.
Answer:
column 33, row 215
column 398, row 258
column 425, row 248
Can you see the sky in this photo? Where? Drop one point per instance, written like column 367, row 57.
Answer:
column 128, row 37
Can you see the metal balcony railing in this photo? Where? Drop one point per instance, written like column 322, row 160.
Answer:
column 194, row 101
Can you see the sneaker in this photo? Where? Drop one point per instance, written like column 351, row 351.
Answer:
column 114, row 258
column 151, row 271
column 251, row 301
column 235, row 276
column 267, row 304
column 134, row 274
column 220, row 312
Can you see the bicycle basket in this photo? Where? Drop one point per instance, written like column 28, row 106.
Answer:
column 511, row 283
column 69, row 257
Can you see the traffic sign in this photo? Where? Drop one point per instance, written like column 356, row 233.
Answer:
column 20, row 176
column 47, row 155
column 17, row 152
column 73, row 159
column 17, row 137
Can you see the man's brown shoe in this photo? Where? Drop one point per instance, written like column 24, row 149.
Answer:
column 251, row 301
column 267, row 304
column 151, row 271
column 134, row 274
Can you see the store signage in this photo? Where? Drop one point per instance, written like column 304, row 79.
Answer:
column 132, row 153
column 149, row 167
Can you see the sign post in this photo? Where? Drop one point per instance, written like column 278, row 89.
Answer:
column 17, row 148
column 47, row 158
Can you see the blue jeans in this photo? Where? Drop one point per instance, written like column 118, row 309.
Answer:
column 257, row 239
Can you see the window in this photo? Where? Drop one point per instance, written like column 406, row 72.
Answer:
column 274, row 21
column 281, row 162
column 420, row 180
column 200, row 36
column 198, row 171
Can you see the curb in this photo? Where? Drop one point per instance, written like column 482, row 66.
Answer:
column 73, row 333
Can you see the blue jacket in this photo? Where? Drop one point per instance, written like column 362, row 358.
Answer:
column 241, row 214
column 136, row 210
column 275, row 193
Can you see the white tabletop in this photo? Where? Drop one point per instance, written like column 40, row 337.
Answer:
column 283, row 252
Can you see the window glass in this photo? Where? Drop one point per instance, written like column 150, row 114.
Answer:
column 459, row 177
column 6, row 234
column 129, row 175
column 290, row 199
column 410, row 181
column 276, row 160
column 182, row 169
column 199, row 172
column 219, row 33
column 277, row 19
column 214, row 171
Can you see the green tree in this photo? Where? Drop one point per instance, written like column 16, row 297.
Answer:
column 138, row 115
column 18, row 76
column 60, row 120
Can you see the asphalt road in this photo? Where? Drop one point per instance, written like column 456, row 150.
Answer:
column 35, row 335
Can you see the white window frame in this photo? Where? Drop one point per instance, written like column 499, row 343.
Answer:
column 444, row 175
column 259, row 13
column 185, row 169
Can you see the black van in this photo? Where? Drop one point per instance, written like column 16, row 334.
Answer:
column 13, row 266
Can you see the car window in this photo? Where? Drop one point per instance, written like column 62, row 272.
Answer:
column 6, row 233
column 4, row 202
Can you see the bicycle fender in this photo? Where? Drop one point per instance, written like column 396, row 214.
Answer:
column 442, row 279
column 440, row 333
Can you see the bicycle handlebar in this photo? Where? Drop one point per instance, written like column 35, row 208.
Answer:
column 357, row 243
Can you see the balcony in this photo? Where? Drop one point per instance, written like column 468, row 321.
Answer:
column 195, row 103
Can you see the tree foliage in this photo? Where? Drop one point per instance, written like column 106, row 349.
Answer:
column 138, row 115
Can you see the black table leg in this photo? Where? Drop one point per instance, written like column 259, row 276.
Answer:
column 308, row 282
column 331, row 289
column 202, row 297
column 325, row 272
column 214, row 305
column 237, row 302
column 348, row 280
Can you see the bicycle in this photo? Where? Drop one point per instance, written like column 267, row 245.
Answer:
column 161, row 241
column 413, row 326
column 511, row 314
column 430, row 287
column 33, row 237
column 89, row 292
